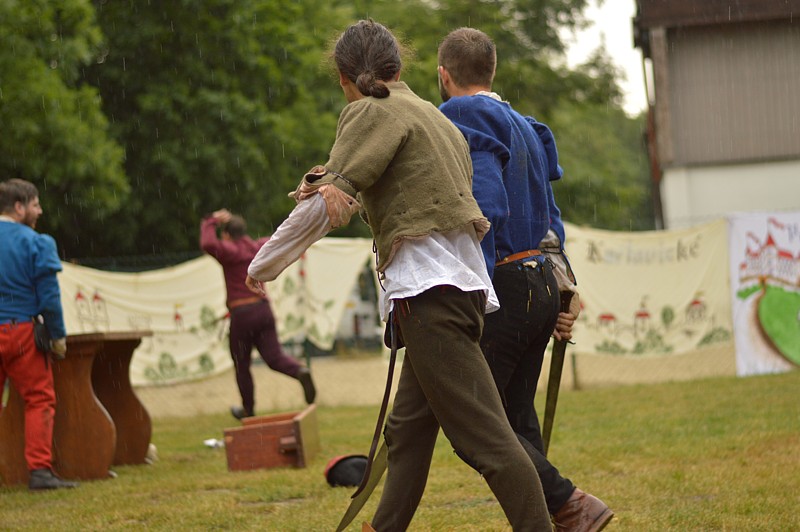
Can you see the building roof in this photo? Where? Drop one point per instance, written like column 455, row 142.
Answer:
column 681, row 13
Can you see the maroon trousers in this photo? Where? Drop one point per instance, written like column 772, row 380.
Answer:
column 254, row 326
column 31, row 375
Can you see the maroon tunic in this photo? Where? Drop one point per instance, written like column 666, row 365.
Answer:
column 234, row 255
column 252, row 322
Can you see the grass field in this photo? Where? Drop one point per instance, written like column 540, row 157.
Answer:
column 717, row 454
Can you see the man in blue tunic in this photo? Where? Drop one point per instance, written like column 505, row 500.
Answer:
column 514, row 158
column 28, row 288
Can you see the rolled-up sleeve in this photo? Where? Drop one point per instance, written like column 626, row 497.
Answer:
column 306, row 224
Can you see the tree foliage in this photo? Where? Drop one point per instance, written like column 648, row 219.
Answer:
column 606, row 177
column 217, row 106
column 54, row 131
column 226, row 103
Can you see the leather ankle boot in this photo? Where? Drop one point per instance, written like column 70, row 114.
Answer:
column 44, row 479
column 582, row 513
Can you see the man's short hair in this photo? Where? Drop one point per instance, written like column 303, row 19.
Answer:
column 469, row 56
column 15, row 190
column 236, row 227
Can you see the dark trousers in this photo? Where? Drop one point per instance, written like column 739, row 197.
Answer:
column 445, row 382
column 514, row 342
column 254, row 326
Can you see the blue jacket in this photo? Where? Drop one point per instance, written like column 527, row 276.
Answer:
column 549, row 143
column 514, row 158
column 28, row 283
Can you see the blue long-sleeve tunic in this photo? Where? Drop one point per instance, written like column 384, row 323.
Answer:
column 28, row 283
column 514, row 158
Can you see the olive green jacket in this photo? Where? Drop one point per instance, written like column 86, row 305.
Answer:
column 407, row 164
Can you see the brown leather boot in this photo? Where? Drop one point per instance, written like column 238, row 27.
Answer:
column 582, row 513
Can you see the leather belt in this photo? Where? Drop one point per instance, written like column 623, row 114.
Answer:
column 244, row 301
column 519, row 256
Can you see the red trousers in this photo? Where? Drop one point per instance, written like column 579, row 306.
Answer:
column 31, row 375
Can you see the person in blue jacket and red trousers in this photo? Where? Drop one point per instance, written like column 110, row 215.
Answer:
column 29, row 288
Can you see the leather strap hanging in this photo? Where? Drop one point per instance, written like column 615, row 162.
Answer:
column 376, row 463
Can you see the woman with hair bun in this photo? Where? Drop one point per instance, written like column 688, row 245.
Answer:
column 408, row 169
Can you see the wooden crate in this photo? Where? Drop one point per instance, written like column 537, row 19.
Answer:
column 279, row 440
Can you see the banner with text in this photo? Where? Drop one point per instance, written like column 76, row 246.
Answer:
column 650, row 293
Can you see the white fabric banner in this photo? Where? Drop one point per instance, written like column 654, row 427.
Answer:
column 765, row 290
column 650, row 293
column 643, row 294
column 184, row 306
column 309, row 297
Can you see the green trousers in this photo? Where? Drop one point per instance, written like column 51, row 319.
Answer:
column 446, row 382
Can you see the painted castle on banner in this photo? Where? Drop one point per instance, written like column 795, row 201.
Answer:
column 765, row 279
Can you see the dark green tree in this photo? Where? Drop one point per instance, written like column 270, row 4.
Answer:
column 226, row 103
column 606, row 177
column 54, row 132
column 217, row 104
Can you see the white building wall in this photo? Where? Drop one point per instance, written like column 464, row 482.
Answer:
column 694, row 195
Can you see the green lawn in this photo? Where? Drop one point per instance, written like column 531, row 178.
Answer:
column 719, row 454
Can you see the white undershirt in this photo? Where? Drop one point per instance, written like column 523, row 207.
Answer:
column 452, row 258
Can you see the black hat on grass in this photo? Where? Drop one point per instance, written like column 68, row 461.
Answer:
column 346, row 470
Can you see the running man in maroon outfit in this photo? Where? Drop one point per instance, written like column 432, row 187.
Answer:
column 252, row 321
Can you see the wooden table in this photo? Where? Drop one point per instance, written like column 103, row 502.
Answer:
column 112, row 386
column 99, row 421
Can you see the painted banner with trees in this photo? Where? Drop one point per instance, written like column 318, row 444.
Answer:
column 652, row 292
column 184, row 307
